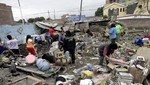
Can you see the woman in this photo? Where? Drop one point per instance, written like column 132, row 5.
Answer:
column 30, row 45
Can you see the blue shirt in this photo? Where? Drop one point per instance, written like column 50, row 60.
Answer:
column 112, row 32
column 47, row 36
column 61, row 38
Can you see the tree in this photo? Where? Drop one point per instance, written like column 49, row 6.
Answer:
column 30, row 20
column 99, row 11
column 20, row 21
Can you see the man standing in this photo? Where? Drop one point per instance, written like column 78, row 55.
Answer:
column 118, row 29
column 112, row 33
column 12, row 44
column 61, row 40
column 69, row 45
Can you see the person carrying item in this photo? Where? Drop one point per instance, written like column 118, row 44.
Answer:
column 70, row 45
column 30, row 45
column 106, row 51
column 48, row 39
column 12, row 44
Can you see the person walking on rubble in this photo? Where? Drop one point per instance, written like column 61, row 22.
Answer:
column 61, row 40
column 112, row 33
column 12, row 44
column 30, row 45
column 106, row 51
column 51, row 32
column 48, row 39
column 118, row 32
column 69, row 45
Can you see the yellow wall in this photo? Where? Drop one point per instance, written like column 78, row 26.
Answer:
column 115, row 6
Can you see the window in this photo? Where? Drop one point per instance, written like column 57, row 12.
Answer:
column 123, row 10
column 120, row 9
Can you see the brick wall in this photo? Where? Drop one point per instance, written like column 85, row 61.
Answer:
column 6, row 16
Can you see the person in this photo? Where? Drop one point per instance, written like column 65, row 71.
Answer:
column 118, row 32
column 38, row 39
column 12, row 44
column 1, row 47
column 48, row 39
column 62, row 29
column 69, row 45
column 30, row 45
column 60, row 40
column 51, row 32
column 112, row 33
column 106, row 51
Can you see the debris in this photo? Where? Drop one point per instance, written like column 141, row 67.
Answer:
column 28, row 80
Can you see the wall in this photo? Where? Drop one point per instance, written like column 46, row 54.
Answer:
column 136, row 22
column 17, row 31
column 6, row 16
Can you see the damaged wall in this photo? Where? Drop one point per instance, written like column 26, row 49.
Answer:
column 17, row 31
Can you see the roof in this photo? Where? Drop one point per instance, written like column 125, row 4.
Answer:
column 106, row 6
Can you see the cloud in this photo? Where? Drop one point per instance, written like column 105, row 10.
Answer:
column 33, row 8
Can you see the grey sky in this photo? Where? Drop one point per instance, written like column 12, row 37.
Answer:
column 34, row 8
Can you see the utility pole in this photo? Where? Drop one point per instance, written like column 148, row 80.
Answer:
column 80, row 10
column 21, row 12
column 48, row 14
column 54, row 15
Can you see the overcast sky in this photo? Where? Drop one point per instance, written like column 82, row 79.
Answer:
column 34, row 8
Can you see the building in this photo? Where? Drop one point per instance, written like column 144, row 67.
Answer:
column 6, row 16
column 114, row 9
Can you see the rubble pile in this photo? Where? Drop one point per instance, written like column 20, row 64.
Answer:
column 133, row 67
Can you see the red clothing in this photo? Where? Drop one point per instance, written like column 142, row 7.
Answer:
column 31, row 50
column 51, row 31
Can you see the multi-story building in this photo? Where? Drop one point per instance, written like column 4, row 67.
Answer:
column 6, row 16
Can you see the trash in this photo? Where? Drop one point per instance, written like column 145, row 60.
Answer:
column 125, row 77
column 86, row 82
column 94, row 58
column 28, row 80
column 86, row 74
column 30, row 59
column 101, row 77
column 64, row 79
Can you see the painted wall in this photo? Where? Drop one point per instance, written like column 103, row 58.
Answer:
column 17, row 31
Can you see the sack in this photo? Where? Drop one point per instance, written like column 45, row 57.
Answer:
column 87, row 74
column 43, row 64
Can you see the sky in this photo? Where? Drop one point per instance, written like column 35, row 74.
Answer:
column 56, row 8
